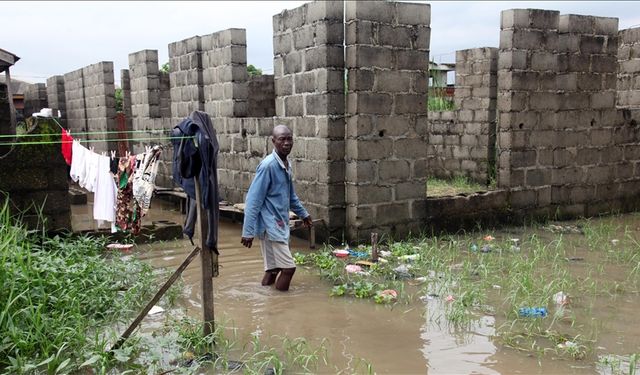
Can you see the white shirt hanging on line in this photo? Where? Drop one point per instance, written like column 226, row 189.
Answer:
column 105, row 192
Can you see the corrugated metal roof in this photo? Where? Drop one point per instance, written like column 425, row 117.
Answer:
column 7, row 59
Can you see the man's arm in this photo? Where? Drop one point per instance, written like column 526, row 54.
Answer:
column 255, row 199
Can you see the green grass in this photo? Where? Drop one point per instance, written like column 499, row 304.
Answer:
column 458, row 185
column 440, row 103
column 64, row 301
column 57, row 296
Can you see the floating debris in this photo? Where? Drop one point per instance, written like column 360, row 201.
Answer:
column 571, row 229
column 561, row 299
column 155, row 310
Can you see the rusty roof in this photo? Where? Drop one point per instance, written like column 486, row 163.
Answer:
column 7, row 59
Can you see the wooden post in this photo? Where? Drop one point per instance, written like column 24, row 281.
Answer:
column 206, row 257
column 156, row 298
column 312, row 237
column 374, row 247
column 12, row 108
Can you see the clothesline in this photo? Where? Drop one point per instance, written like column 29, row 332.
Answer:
column 78, row 134
column 88, row 140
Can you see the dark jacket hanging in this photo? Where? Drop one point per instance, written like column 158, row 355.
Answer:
column 198, row 156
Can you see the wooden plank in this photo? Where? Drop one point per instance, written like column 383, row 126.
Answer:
column 206, row 257
column 156, row 298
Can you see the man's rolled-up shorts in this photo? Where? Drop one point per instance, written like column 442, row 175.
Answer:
column 276, row 254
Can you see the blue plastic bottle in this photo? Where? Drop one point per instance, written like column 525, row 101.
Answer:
column 533, row 312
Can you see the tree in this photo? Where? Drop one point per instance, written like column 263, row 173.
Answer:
column 165, row 68
column 119, row 100
column 253, row 71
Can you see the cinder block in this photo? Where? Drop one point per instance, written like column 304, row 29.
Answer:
column 514, row 18
column 544, row 61
column 601, row 100
column 395, row 36
column 324, row 10
column 574, row 23
column 327, row 56
column 372, row 103
column 305, row 82
column 294, row 105
column 282, row 43
column 410, row 148
column 413, row 14
column 392, row 81
column 412, row 60
column 303, row 37
column 379, row 11
column 591, row 44
column 410, row 103
column 292, row 63
column 322, row 104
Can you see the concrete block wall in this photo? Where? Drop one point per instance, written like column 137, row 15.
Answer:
column 244, row 142
column 35, row 177
column 629, row 68
column 224, row 73
column 462, row 142
column 76, row 116
column 387, row 60
column 165, row 95
column 125, row 84
column 144, row 79
column 150, row 109
column 35, row 98
column 309, row 88
column 562, row 141
column 261, row 96
column 100, row 103
column 186, row 80
column 55, row 97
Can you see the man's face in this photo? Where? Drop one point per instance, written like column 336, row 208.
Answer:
column 283, row 141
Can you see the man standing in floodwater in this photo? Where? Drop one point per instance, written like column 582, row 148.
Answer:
column 266, row 214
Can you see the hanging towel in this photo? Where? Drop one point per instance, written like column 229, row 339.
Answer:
column 67, row 147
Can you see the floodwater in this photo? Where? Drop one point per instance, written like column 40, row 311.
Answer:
column 399, row 339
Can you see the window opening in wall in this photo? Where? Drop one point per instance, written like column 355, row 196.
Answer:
column 440, row 93
column 438, row 187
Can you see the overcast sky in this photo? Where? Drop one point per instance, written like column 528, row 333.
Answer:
column 56, row 37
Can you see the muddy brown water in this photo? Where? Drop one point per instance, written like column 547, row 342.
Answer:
column 399, row 339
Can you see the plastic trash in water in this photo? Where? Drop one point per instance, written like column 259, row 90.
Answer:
column 358, row 254
column 533, row 312
column 353, row 268
column 155, row 310
column 402, row 271
column 561, row 299
column 410, row 257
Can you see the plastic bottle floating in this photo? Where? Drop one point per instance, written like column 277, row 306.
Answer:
column 535, row 312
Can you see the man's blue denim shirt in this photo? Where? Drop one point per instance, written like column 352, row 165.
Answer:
column 270, row 197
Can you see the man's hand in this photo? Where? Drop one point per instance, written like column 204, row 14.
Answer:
column 307, row 221
column 246, row 241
